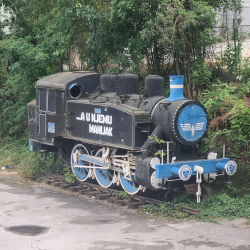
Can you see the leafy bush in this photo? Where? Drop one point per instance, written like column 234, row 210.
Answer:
column 201, row 75
column 223, row 206
column 211, row 207
column 69, row 175
column 221, row 97
column 240, row 121
column 218, row 96
column 22, row 65
column 245, row 73
column 17, row 153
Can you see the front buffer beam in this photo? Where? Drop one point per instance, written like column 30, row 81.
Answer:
column 184, row 170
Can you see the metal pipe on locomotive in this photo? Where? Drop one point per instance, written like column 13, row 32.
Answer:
column 106, row 130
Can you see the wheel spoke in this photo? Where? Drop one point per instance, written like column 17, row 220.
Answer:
column 84, row 171
column 108, row 176
column 134, row 183
column 111, row 174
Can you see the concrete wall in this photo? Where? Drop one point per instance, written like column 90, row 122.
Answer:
column 225, row 18
column 246, row 13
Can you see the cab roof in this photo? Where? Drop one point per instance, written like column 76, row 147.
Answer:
column 61, row 80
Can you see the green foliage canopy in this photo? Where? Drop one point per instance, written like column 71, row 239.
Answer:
column 169, row 36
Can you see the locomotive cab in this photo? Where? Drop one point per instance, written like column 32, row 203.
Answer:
column 48, row 114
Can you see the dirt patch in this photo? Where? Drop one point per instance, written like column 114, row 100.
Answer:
column 12, row 177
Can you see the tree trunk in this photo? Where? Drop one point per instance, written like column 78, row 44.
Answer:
column 177, row 64
column 189, row 83
column 157, row 60
column 149, row 65
column 102, row 69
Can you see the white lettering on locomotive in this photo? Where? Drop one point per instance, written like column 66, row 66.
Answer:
column 100, row 130
column 97, row 118
column 82, row 118
column 87, row 117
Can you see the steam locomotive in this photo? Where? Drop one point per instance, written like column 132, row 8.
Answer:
column 106, row 131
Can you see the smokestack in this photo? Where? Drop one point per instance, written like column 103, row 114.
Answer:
column 176, row 88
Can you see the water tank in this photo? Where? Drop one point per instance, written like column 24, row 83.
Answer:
column 154, row 85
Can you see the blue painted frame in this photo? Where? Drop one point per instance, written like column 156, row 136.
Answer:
column 170, row 170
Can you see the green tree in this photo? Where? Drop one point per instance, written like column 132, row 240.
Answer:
column 169, row 36
column 156, row 30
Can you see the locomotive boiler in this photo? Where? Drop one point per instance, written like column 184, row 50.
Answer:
column 105, row 130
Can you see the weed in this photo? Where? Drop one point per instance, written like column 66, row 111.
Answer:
column 211, row 208
column 70, row 177
column 148, row 208
column 208, row 190
column 124, row 195
column 111, row 194
column 28, row 164
column 156, row 139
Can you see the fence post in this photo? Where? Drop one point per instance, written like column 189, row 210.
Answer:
column 235, row 48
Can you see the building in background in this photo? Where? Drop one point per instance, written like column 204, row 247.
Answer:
column 246, row 13
column 4, row 15
column 227, row 18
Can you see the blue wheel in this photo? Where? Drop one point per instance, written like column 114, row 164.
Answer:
column 104, row 176
column 131, row 187
column 81, row 173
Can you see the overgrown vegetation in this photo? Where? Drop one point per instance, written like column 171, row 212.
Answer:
column 212, row 207
column 69, row 175
column 229, row 113
column 16, row 153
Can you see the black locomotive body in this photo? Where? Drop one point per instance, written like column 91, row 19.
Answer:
column 106, row 130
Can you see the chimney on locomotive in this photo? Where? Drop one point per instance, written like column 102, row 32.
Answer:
column 176, row 88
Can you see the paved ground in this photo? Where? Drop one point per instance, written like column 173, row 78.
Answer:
column 38, row 218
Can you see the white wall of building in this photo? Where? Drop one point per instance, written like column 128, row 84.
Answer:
column 4, row 14
column 246, row 13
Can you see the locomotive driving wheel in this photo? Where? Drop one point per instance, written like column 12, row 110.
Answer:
column 81, row 173
column 104, row 177
column 130, row 186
